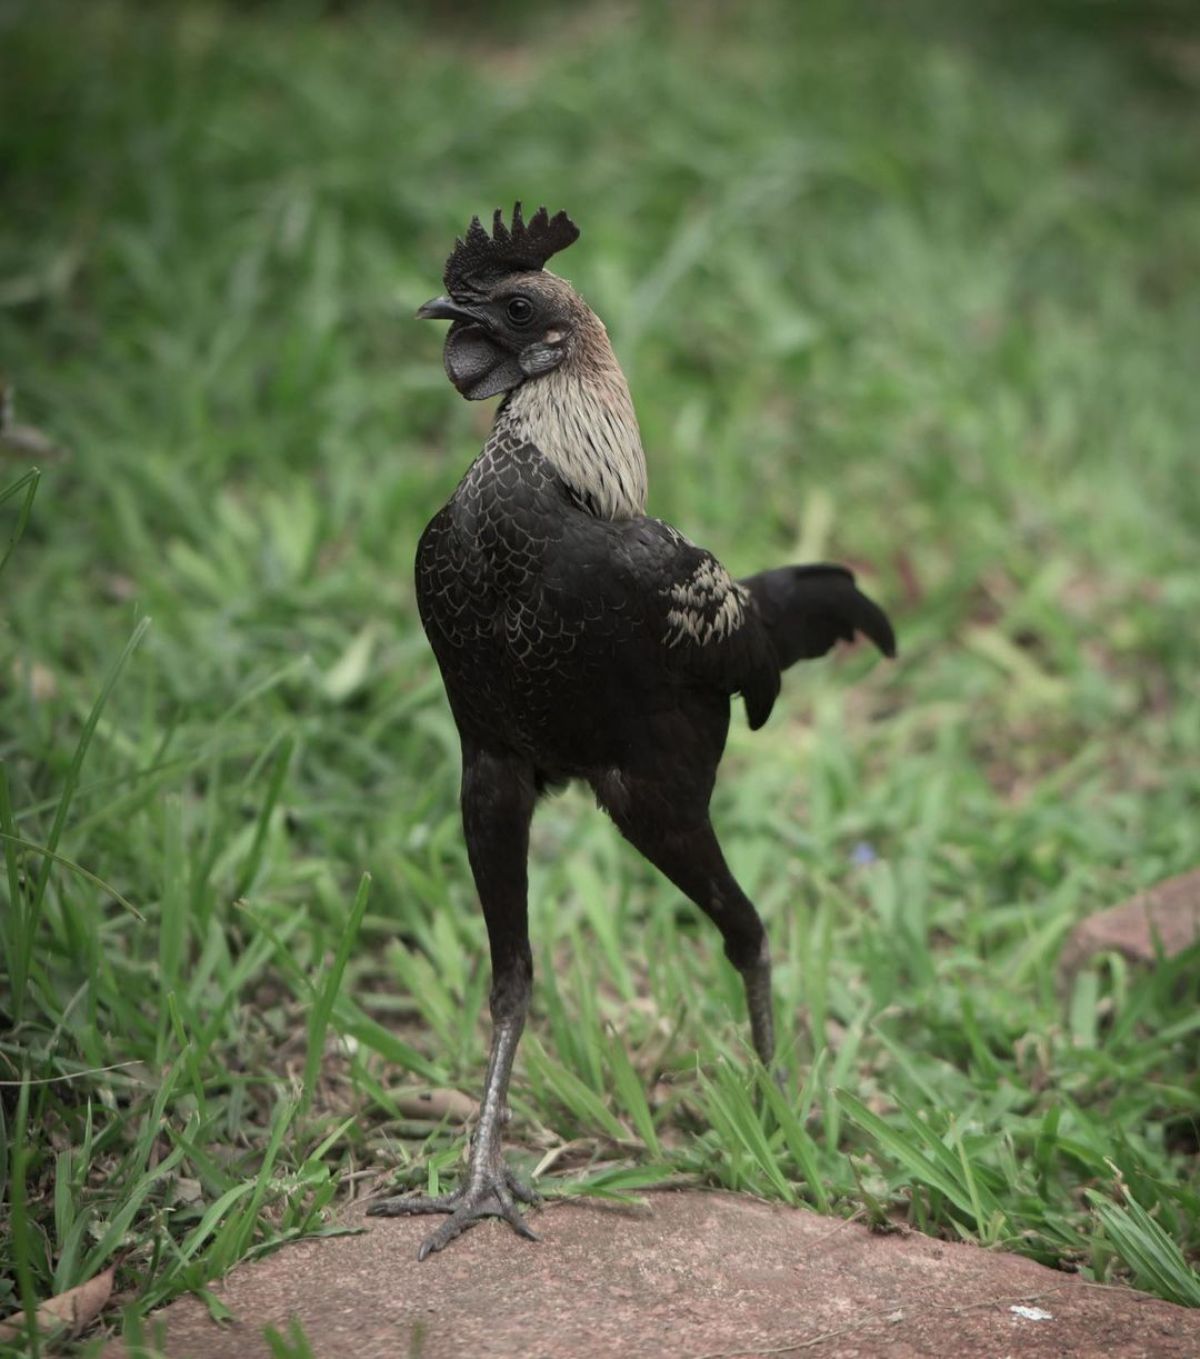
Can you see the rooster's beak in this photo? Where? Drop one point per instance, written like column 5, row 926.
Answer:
column 445, row 309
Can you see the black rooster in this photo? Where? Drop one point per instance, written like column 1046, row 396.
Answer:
column 579, row 639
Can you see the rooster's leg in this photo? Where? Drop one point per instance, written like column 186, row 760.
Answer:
column 497, row 803
column 690, row 855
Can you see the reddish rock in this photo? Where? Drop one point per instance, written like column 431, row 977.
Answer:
column 700, row 1274
column 1166, row 915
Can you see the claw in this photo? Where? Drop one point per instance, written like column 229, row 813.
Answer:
column 520, row 1226
column 471, row 1210
column 491, row 1196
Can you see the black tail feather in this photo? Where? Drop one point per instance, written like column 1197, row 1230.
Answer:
column 807, row 609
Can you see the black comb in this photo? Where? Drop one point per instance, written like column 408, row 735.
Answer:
column 481, row 260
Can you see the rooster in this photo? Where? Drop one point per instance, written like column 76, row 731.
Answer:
column 579, row 638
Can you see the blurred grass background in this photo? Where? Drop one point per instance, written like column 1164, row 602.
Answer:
column 911, row 287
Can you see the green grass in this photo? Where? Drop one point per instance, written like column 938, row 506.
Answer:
column 901, row 287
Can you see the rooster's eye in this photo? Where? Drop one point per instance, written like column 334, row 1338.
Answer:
column 520, row 311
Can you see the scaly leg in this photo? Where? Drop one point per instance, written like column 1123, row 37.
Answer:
column 497, row 803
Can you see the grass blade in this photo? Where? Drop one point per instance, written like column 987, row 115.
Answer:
column 318, row 1021
column 1156, row 1261
column 258, row 845
column 909, row 1153
column 28, row 483
column 22, row 1237
column 26, row 941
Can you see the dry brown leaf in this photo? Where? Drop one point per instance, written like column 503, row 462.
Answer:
column 42, row 682
column 436, row 1104
column 76, row 1309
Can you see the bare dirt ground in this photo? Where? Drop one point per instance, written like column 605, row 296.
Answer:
column 696, row 1274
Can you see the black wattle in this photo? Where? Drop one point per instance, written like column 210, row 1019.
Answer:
column 476, row 365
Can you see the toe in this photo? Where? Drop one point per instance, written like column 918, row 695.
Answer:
column 522, row 1228
column 405, row 1205
column 456, row 1224
column 523, row 1193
